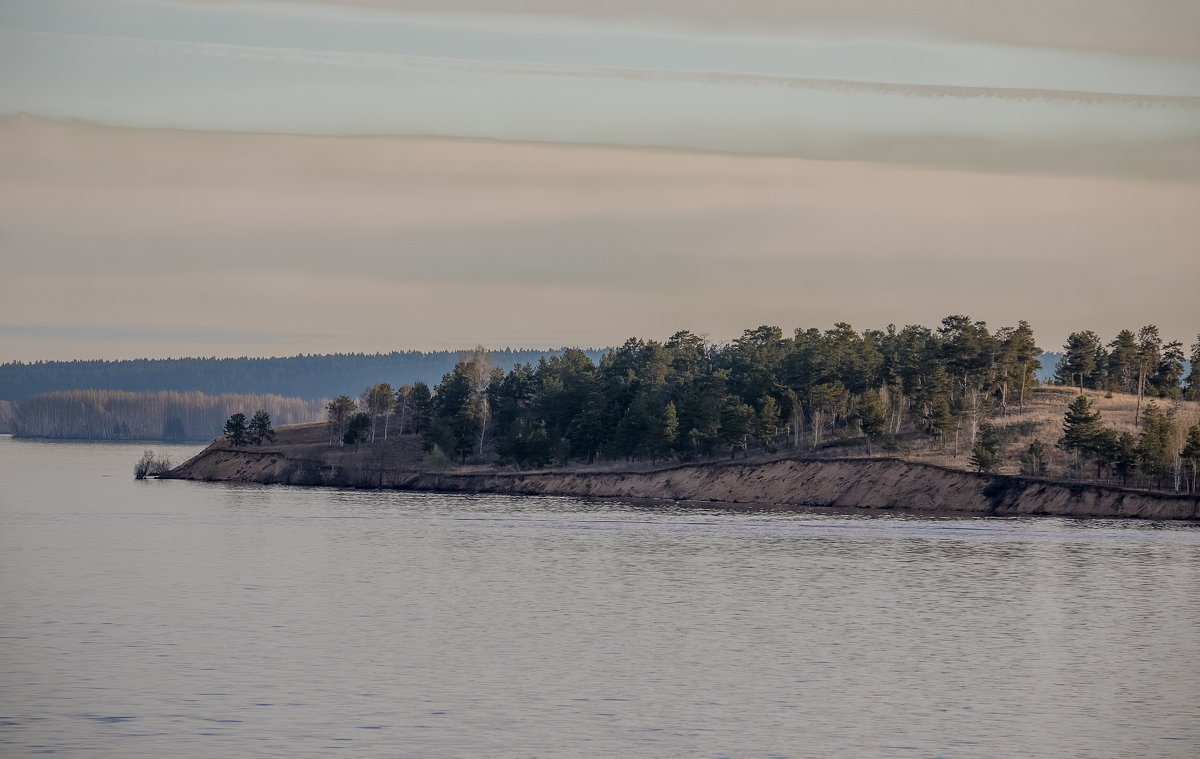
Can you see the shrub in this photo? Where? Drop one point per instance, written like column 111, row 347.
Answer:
column 150, row 466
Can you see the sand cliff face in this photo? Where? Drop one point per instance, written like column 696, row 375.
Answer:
column 866, row 483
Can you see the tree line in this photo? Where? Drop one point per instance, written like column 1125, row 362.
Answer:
column 686, row 398
column 310, row 377
column 116, row 415
column 1138, row 363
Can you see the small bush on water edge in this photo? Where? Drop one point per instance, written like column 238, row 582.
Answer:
column 151, row 466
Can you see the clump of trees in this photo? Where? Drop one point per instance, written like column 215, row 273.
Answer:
column 686, row 398
column 150, row 465
column 1161, row 455
column 258, row 430
column 1138, row 363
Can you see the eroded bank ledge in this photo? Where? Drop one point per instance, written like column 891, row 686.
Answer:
column 848, row 483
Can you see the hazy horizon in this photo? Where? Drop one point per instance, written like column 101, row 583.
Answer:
column 229, row 178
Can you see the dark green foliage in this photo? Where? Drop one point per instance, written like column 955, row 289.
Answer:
column 1191, row 458
column 1154, row 451
column 768, row 422
column 1124, row 462
column 1079, row 365
column 1081, row 428
column 310, row 377
column 1169, row 372
column 525, row 445
column 236, row 430
column 870, row 416
column 358, row 428
column 985, row 454
column 685, row 398
column 260, row 428
column 1193, row 378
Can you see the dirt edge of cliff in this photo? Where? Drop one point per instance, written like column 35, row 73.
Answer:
column 848, row 483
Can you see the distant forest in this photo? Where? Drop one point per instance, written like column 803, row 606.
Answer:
column 165, row 415
column 311, row 377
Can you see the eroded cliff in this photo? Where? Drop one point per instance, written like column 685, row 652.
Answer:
column 858, row 483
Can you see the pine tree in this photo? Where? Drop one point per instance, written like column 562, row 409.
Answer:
column 985, row 455
column 1081, row 428
column 260, row 428
column 1125, row 462
column 1191, row 456
column 1193, row 378
column 1155, row 456
column 357, row 428
column 1149, row 356
column 1169, row 372
column 871, row 419
column 768, row 421
column 669, row 432
column 236, row 429
column 1078, row 364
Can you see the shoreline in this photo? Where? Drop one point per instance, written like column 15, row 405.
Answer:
column 851, row 483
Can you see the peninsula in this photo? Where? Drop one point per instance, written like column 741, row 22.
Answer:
column 953, row 419
column 301, row 456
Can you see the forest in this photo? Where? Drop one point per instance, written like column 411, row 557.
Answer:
column 165, row 415
column 836, row 390
column 306, row 376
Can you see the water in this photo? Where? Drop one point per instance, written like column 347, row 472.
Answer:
column 151, row 619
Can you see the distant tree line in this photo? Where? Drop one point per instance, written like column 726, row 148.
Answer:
column 116, row 415
column 311, row 377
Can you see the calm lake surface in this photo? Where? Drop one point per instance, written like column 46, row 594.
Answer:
column 178, row 619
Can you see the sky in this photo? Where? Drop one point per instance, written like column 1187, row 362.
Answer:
column 228, row 178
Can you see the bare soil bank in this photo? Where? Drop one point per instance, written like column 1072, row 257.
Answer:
column 858, row 483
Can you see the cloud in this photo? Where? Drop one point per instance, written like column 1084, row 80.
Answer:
column 325, row 244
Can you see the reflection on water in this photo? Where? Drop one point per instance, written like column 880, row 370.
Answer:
column 191, row 619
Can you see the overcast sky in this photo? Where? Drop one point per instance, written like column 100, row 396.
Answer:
column 225, row 178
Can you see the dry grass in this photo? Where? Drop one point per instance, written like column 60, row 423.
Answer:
column 1042, row 419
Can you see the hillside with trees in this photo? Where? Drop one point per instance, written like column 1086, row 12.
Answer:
column 960, row 395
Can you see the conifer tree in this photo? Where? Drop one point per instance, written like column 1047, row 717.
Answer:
column 1193, row 378
column 768, row 421
column 871, row 419
column 1081, row 428
column 1149, row 356
column 1191, row 457
column 1125, row 461
column 260, row 428
column 1078, row 363
column 985, row 455
column 236, row 429
column 1155, row 456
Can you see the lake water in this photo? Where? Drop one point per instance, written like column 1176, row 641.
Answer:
column 180, row 619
